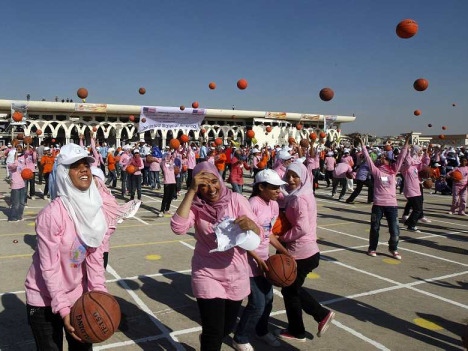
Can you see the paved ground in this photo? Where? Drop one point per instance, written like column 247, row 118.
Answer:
column 419, row 303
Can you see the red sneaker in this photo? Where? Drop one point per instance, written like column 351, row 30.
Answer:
column 325, row 323
column 285, row 335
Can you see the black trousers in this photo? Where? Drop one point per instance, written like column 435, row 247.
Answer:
column 359, row 185
column 416, row 204
column 218, row 318
column 48, row 330
column 169, row 192
column 297, row 299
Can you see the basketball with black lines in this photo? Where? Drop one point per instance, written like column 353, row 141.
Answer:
column 95, row 316
column 282, row 270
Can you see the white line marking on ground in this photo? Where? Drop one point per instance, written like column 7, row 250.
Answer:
column 187, row 244
column 360, row 336
column 146, row 309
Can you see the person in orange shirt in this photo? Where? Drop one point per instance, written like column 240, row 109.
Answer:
column 47, row 162
column 220, row 160
column 111, row 161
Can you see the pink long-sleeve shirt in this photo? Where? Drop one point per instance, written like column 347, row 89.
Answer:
column 410, row 171
column 330, row 163
column 266, row 213
column 301, row 239
column 55, row 277
column 218, row 274
column 385, row 183
column 15, row 168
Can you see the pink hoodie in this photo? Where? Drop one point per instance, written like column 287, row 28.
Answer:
column 56, row 277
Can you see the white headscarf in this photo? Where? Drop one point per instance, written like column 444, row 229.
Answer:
column 84, row 207
column 306, row 187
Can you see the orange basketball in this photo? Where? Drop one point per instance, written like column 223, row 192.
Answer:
column 299, row 126
column 304, row 143
column 212, row 85
column 291, row 140
column 268, row 129
column 425, row 172
column 17, row 116
column 420, row 84
column 322, row 135
column 417, row 112
column 444, row 127
column 130, row 169
column 441, row 136
column 142, row 91
column 261, row 165
column 27, row 174
column 95, row 316
column 456, row 175
column 20, row 136
column 313, row 136
column 82, row 93
column 53, row 140
column 182, row 107
column 27, row 140
column 131, row 118
column 184, row 138
column 218, row 141
column 250, row 134
column 429, row 125
column 281, row 225
column 326, row 94
column 407, row 28
column 174, row 144
column 195, row 104
column 388, row 147
column 427, row 184
column 94, row 129
column 38, row 132
column 282, row 270
column 242, row 84
column 143, row 120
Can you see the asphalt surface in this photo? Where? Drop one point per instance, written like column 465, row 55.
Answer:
column 418, row 303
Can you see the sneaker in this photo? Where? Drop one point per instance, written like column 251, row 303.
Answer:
column 284, row 334
column 242, row 347
column 462, row 214
column 413, row 229
column 270, row 339
column 349, row 202
column 425, row 220
column 168, row 213
column 372, row 253
column 404, row 218
column 395, row 255
column 160, row 214
column 325, row 323
column 450, row 212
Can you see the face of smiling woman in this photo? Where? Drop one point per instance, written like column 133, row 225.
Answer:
column 80, row 174
column 210, row 188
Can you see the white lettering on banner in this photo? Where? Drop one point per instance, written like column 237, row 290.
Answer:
column 164, row 117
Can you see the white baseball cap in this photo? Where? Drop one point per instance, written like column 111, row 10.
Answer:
column 284, row 155
column 268, row 176
column 255, row 151
column 70, row 153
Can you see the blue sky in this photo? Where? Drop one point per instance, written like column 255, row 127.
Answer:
column 287, row 50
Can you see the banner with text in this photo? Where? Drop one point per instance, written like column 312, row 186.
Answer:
column 165, row 118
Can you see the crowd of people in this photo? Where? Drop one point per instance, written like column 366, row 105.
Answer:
column 80, row 181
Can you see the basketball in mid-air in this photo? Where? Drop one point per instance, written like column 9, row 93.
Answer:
column 407, row 28
column 326, row 94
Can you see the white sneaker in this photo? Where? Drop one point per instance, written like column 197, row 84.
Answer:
column 242, row 347
column 425, row 220
column 160, row 214
column 270, row 339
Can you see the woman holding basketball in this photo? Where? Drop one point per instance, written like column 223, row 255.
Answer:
column 301, row 242
column 220, row 280
column 68, row 261
column 255, row 316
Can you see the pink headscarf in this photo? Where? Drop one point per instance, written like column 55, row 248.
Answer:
column 306, row 189
column 215, row 210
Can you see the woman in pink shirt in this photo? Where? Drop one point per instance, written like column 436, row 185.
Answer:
column 330, row 163
column 220, row 280
column 17, row 186
column 68, row 261
column 385, row 201
column 255, row 317
column 459, row 189
column 301, row 242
